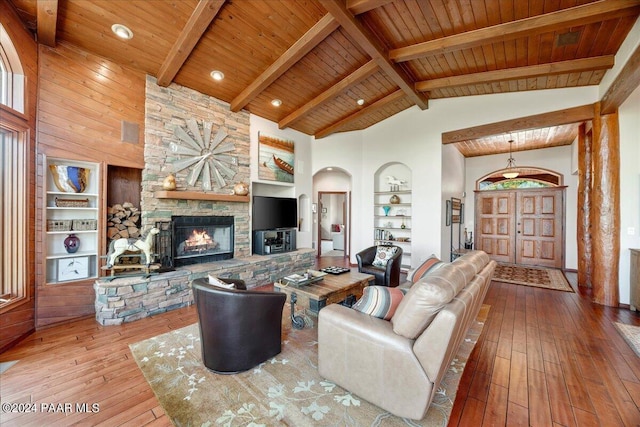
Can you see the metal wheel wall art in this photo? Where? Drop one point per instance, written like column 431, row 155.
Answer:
column 208, row 158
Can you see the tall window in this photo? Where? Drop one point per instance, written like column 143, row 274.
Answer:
column 14, row 178
column 13, row 209
column 11, row 74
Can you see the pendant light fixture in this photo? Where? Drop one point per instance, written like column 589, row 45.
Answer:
column 510, row 171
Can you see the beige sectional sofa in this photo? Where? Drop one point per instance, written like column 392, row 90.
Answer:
column 398, row 364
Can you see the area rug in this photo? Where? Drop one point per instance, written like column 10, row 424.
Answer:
column 540, row 277
column 285, row 390
column 631, row 335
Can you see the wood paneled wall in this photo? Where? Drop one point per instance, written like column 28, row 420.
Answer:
column 19, row 320
column 82, row 102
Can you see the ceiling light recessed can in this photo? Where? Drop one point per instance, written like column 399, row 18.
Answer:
column 122, row 31
column 217, row 75
column 276, row 102
column 360, row 101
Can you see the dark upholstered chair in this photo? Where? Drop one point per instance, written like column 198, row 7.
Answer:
column 389, row 276
column 239, row 328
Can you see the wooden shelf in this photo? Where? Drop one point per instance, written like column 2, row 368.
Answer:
column 196, row 195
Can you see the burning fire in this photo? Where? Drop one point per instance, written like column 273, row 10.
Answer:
column 199, row 239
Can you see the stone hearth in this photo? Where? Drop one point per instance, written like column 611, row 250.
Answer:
column 128, row 299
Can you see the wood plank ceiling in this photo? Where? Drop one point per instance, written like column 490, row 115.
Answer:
column 319, row 57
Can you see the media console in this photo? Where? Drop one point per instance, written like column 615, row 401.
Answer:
column 267, row 242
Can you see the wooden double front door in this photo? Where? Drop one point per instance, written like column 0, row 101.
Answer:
column 521, row 226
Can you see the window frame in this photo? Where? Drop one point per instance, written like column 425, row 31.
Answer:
column 17, row 126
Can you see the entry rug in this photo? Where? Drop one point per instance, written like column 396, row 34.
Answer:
column 540, row 277
column 285, row 390
column 631, row 335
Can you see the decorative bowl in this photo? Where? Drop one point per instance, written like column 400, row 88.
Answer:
column 70, row 179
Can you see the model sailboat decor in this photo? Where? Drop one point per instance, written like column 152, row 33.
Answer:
column 208, row 158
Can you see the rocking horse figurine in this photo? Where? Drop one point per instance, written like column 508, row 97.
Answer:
column 119, row 246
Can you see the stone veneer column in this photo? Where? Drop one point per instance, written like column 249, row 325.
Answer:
column 172, row 106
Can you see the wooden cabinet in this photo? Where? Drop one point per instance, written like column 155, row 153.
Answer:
column 634, row 280
column 71, row 236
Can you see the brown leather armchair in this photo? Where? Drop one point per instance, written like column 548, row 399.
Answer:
column 239, row 328
column 388, row 276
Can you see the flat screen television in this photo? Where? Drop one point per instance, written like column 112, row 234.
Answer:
column 270, row 213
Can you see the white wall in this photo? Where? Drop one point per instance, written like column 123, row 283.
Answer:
column 557, row 159
column 453, row 185
column 414, row 138
column 629, row 116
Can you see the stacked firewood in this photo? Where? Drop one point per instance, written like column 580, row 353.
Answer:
column 123, row 221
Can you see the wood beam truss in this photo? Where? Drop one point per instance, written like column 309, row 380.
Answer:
column 202, row 16
column 579, row 15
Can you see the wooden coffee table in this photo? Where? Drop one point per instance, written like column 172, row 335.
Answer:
column 332, row 289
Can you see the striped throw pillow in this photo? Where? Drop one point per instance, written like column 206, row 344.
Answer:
column 430, row 264
column 380, row 301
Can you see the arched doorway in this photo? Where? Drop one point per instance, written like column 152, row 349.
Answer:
column 332, row 212
column 521, row 220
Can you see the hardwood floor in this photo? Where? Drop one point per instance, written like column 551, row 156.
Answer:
column 545, row 357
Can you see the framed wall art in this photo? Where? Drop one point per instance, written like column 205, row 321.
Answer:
column 276, row 158
column 75, row 268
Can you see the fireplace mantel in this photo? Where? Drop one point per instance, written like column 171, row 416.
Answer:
column 196, row 195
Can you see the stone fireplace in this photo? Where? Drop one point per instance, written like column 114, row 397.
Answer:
column 222, row 248
column 166, row 109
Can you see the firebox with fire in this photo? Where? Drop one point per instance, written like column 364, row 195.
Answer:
column 198, row 242
column 199, row 239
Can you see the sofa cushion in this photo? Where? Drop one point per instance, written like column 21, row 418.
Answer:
column 428, row 265
column 379, row 301
column 425, row 299
column 383, row 255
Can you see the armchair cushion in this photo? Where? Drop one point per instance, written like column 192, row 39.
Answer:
column 379, row 301
column 383, row 255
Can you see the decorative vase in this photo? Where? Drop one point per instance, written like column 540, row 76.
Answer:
column 394, row 200
column 386, row 210
column 169, row 182
column 72, row 243
column 241, row 189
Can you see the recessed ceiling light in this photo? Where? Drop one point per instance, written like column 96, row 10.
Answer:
column 329, row 169
column 360, row 101
column 217, row 75
column 276, row 102
column 122, row 31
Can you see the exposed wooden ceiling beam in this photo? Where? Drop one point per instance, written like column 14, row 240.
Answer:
column 369, row 43
column 554, row 68
column 323, row 28
column 198, row 22
column 342, row 86
column 625, row 83
column 574, row 16
column 47, row 18
column 554, row 118
column 361, row 6
column 381, row 103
